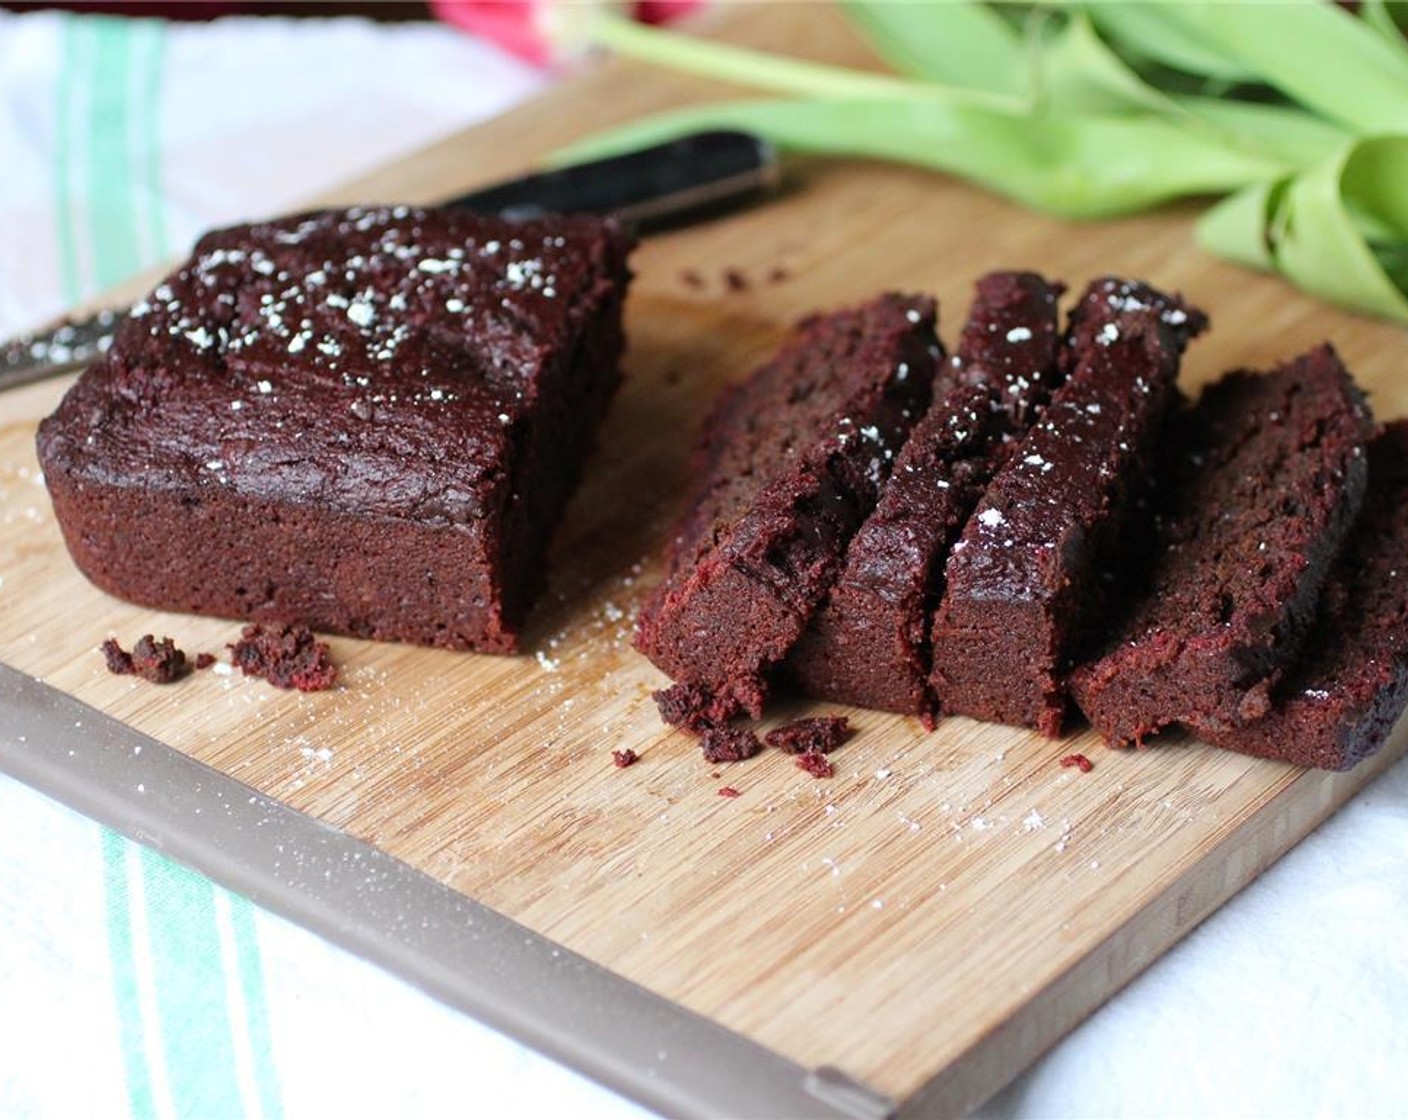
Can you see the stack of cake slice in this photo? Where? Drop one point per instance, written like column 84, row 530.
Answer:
column 1336, row 705
column 1023, row 582
column 1059, row 524
column 868, row 643
column 856, row 621
column 790, row 464
column 1264, row 478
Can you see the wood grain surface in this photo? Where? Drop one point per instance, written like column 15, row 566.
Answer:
column 929, row 920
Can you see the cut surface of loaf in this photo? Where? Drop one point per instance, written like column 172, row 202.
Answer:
column 867, row 644
column 789, row 465
column 1337, row 704
column 1265, row 477
column 1023, row 583
column 367, row 421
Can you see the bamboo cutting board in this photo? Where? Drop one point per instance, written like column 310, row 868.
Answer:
column 928, row 921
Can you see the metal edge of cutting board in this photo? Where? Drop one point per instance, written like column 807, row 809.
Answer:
column 457, row 950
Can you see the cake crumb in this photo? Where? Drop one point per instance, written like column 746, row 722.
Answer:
column 205, row 660
column 819, row 734
column 285, row 656
column 119, row 661
column 624, row 758
column 816, row 764
column 1083, row 764
column 727, row 791
column 692, row 706
column 729, row 744
column 157, row 661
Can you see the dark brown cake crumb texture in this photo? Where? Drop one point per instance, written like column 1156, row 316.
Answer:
column 286, row 657
column 1264, row 477
column 690, row 706
column 815, row 734
column 729, row 744
column 157, row 661
column 733, row 279
column 119, row 661
column 816, row 764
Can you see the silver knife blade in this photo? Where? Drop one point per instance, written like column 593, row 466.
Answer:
column 69, row 346
column 653, row 187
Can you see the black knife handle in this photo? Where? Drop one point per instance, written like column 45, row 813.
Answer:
column 649, row 187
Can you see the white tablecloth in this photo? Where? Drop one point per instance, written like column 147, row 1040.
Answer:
column 132, row 986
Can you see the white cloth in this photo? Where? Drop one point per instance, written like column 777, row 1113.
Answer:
column 1288, row 1002
column 131, row 986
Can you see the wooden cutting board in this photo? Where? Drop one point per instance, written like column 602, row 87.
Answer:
column 929, row 920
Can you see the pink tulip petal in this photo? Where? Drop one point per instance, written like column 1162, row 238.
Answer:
column 511, row 24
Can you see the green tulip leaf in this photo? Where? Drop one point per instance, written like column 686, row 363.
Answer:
column 1338, row 231
column 958, row 43
column 1077, row 166
column 1296, row 112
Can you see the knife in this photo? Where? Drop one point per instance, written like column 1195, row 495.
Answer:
column 369, row 902
column 651, row 188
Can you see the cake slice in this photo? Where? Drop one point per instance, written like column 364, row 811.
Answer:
column 867, row 644
column 790, row 464
column 1267, row 473
column 1337, row 705
column 1024, row 578
column 364, row 421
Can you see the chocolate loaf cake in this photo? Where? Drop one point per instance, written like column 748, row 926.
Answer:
column 364, row 421
column 1337, row 705
column 1266, row 476
column 790, row 464
column 1024, row 578
column 867, row 644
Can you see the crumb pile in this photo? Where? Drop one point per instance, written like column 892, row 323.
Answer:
column 285, row 656
column 158, row 661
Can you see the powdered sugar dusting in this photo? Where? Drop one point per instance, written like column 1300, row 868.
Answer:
column 305, row 289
